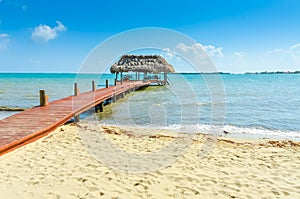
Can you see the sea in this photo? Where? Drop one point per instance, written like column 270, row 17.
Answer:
column 243, row 105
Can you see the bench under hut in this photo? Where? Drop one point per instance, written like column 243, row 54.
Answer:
column 146, row 64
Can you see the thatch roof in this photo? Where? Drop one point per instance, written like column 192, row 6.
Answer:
column 142, row 63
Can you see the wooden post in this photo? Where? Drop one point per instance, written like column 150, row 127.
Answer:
column 93, row 86
column 43, row 98
column 106, row 83
column 76, row 93
column 115, row 82
column 99, row 107
column 77, row 118
column 76, row 89
column 114, row 98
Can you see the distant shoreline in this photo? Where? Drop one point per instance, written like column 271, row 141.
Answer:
column 205, row 73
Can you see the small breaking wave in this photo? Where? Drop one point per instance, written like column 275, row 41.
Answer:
column 231, row 131
column 236, row 131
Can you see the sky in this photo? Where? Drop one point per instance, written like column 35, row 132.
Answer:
column 238, row 35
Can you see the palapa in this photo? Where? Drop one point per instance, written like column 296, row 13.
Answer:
column 142, row 63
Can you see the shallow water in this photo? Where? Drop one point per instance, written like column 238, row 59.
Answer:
column 258, row 105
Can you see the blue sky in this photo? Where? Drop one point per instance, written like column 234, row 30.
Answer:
column 239, row 35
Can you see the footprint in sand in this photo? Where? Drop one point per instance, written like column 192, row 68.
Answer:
column 140, row 187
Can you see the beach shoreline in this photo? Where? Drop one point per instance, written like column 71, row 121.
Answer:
column 61, row 166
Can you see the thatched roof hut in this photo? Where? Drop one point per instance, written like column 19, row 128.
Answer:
column 142, row 63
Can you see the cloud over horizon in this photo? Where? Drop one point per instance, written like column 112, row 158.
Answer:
column 288, row 57
column 211, row 50
column 44, row 33
column 170, row 56
column 198, row 56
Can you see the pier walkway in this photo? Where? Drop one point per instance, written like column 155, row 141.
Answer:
column 34, row 123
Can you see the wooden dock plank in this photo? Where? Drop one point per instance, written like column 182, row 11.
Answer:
column 34, row 123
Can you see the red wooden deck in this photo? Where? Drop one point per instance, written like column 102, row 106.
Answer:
column 32, row 124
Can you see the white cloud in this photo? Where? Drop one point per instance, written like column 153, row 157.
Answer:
column 238, row 54
column 4, row 41
column 44, row 33
column 283, row 59
column 3, row 35
column 167, row 53
column 197, row 56
column 213, row 51
column 294, row 51
column 170, row 56
column 275, row 51
column 295, row 46
column 197, row 48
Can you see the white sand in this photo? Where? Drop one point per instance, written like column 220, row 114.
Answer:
column 59, row 166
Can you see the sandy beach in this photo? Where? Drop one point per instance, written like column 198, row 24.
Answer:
column 61, row 166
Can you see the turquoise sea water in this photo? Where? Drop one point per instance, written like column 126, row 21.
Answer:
column 255, row 105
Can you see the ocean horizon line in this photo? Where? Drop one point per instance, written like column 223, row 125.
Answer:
column 208, row 73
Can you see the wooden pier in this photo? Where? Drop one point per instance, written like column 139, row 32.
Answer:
column 34, row 123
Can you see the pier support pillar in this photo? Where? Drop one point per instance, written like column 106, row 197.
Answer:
column 77, row 118
column 129, row 90
column 43, row 98
column 114, row 98
column 99, row 108
column 76, row 93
